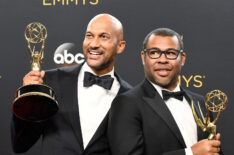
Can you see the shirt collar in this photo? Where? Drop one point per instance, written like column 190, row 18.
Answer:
column 159, row 88
column 86, row 68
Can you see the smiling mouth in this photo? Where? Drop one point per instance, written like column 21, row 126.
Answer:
column 95, row 53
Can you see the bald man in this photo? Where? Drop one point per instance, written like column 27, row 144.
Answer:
column 84, row 94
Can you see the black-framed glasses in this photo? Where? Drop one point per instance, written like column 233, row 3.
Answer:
column 170, row 53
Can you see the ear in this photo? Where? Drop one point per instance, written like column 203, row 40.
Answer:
column 121, row 46
column 143, row 57
column 183, row 58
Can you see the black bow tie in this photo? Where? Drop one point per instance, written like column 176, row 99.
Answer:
column 103, row 81
column 178, row 95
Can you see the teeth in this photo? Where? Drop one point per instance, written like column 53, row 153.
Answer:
column 94, row 53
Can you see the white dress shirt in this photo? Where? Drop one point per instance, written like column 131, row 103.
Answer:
column 182, row 114
column 94, row 103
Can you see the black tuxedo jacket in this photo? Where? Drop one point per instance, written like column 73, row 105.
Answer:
column 141, row 124
column 61, row 135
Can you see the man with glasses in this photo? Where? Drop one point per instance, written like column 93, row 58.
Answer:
column 155, row 117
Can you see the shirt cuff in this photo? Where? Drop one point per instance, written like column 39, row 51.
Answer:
column 188, row 151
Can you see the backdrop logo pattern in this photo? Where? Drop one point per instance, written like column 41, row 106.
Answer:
column 69, row 2
column 192, row 80
column 68, row 58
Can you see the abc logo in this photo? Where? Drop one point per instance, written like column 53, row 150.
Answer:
column 68, row 58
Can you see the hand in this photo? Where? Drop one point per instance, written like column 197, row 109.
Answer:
column 34, row 77
column 207, row 147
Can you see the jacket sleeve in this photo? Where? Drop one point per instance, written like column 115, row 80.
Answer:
column 24, row 134
column 124, row 128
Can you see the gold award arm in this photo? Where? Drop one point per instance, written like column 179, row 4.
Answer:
column 198, row 121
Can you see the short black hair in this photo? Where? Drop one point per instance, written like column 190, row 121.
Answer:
column 164, row 32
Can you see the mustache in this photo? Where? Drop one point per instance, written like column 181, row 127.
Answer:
column 96, row 50
column 162, row 67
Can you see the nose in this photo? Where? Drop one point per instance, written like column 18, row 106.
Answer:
column 163, row 58
column 95, row 43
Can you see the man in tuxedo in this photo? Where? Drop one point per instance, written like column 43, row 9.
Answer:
column 84, row 93
column 155, row 117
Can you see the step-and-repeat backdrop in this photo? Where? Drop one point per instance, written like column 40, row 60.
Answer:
column 207, row 27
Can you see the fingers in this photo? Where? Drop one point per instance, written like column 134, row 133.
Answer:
column 215, row 143
column 34, row 77
column 218, row 136
column 206, row 146
column 215, row 150
column 42, row 74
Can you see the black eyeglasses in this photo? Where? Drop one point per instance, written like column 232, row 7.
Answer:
column 170, row 53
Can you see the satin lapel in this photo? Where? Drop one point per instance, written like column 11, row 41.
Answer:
column 191, row 99
column 68, row 83
column 123, row 85
column 157, row 104
column 103, row 126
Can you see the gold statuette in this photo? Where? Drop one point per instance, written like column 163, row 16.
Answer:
column 215, row 103
column 36, row 34
column 35, row 102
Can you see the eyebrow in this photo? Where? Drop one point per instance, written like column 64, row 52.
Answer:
column 100, row 33
column 161, row 50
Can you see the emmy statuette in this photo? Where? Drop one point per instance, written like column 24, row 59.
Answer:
column 215, row 103
column 35, row 102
